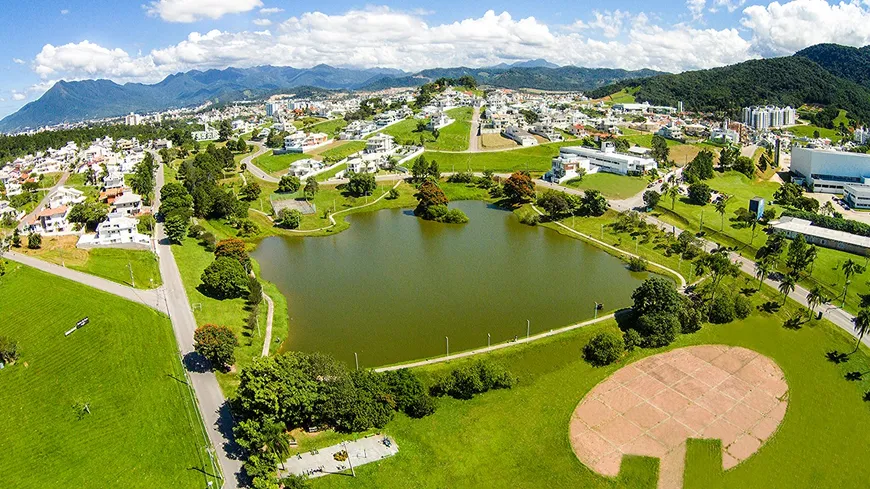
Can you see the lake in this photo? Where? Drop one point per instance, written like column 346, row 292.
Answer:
column 393, row 286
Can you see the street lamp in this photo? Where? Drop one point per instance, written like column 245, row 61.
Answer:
column 595, row 316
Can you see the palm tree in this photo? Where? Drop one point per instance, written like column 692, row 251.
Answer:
column 762, row 268
column 812, row 253
column 850, row 267
column 862, row 325
column 828, row 209
column 720, row 205
column 673, row 193
column 814, row 298
column 786, row 286
column 275, row 440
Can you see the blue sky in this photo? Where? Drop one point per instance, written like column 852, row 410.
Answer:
column 128, row 41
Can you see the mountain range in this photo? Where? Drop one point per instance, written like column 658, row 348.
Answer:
column 93, row 99
column 825, row 74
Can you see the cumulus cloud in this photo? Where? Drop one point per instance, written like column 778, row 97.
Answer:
column 262, row 22
column 271, row 10
column 609, row 23
column 696, row 8
column 18, row 96
column 779, row 29
column 87, row 59
column 18, row 61
column 193, row 10
column 64, row 11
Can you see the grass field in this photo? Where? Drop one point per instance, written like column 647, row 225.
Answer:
column 109, row 263
column 809, row 129
column 610, row 185
column 274, row 164
column 534, row 158
column 496, row 141
column 455, row 136
column 141, row 431
column 330, row 127
column 624, row 96
column 519, row 438
column 341, row 152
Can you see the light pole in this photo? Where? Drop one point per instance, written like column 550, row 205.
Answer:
column 356, row 360
column 488, row 340
column 132, row 282
column 595, row 316
column 528, row 327
column 448, row 345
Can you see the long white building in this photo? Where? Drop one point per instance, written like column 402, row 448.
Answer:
column 763, row 118
column 829, row 171
column 607, row 159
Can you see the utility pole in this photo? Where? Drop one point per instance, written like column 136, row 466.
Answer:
column 488, row 340
column 132, row 282
column 596, row 311
column 356, row 360
column 448, row 345
column 528, row 328
column 349, row 461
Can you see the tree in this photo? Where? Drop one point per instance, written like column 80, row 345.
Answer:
column 651, row 199
column 604, row 349
column 788, row 194
column 728, row 157
column 217, row 344
column 721, row 204
column 225, row 130
column 16, row 238
column 276, row 440
column 429, row 195
column 862, row 325
column 176, row 227
column 361, row 184
column 787, row 285
column 827, row 209
column 763, row 267
column 519, row 187
column 593, row 203
column 88, row 214
column 34, row 241
column 744, row 165
column 719, row 265
column 233, row 248
column 660, row 150
column 656, row 295
column 701, row 167
column 143, row 177
column 289, row 218
column 555, row 204
column 699, row 193
column 658, row 329
column 420, row 169
column 251, row 191
column 311, row 188
column 8, row 350
column 815, row 298
column 673, row 192
column 797, row 258
column 224, row 278
column 289, row 184
column 850, row 267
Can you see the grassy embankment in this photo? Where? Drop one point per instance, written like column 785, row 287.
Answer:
column 142, row 429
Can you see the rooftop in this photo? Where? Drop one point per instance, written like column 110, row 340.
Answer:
column 802, row 226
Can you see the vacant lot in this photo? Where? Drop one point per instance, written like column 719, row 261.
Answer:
column 141, row 430
column 496, row 141
column 610, row 185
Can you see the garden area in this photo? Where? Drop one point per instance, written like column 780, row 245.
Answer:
column 106, row 406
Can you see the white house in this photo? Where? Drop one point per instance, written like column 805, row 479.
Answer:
column 547, row 131
column 113, row 180
column 300, row 142
column 65, row 196
column 671, row 131
column 567, row 166
column 607, row 159
column 207, row 134
column 128, row 204
column 438, row 120
column 380, row 143
column 115, row 230
column 358, row 130
column 523, row 138
column 7, row 210
column 304, row 168
column 51, row 221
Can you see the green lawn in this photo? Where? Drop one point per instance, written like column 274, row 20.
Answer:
column 809, row 130
column 330, row 127
column 142, row 430
column 331, row 173
column 535, row 158
column 339, row 153
column 455, row 136
column 113, row 264
column 519, row 438
column 624, row 96
column 610, row 185
column 406, row 131
column 275, row 164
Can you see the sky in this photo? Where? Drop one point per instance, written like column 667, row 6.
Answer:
column 135, row 41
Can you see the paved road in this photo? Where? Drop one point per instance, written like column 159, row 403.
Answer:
column 42, row 203
column 248, row 161
column 473, row 139
column 213, row 405
column 152, row 298
column 270, row 318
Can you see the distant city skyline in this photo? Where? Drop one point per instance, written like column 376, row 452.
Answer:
column 134, row 42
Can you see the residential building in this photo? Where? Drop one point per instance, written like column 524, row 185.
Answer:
column 133, row 119
column 127, row 204
column 207, row 134
column 769, row 117
column 829, row 238
column 671, row 131
column 438, row 120
column 300, row 142
column 862, row 135
column 117, row 229
column 304, row 168
column 65, row 196
column 358, row 130
column 828, row 171
column 567, row 166
column 272, row 109
column 607, row 159
column 523, row 138
column 51, row 220
column 643, row 108
column 380, row 143
column 546, row 131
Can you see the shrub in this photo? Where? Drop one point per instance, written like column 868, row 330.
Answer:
column 289, row 184
column 656, row 295
column 466, row 381
column 461, row 177
column 8, row 350
column 604, row 349
column 195, row 231
column 393, row 194
column 217, row 344
column 208, row 241
column 632, row 339
column 530, row 218
column 658, row 329
column 721, row 310
column 691, row 316
column 408, row 392
column 225, row 278
column 637, row 264
column 289, row 218
column 454, row 216
column 34, row 241
column 742, row 307
column 361, row 184
column 233, row 248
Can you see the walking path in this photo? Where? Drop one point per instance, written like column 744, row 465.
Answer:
column 473, row 139
column 152, row 298
column 331, row 217
column 270, row 316
column 499, row 346
column 214, row 409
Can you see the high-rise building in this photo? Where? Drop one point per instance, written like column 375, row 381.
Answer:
column 133, row 119
column 770, row 117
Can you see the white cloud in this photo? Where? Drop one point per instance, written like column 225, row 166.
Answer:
column 729, row 5
column 696, row 8
column 86, row 59
column 18, row 96
column 609, row 23
column 780, row 29
column 64, row 11
column 193, row 10
column 271, row 10
column 262, row 22
column 18, row 61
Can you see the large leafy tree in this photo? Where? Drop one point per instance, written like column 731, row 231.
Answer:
column 361, row 184
column 519, row 187
column 233, row 248
column 217, row 344
column 289, row 184
column 225, row 278
column 660, row 150
column 428, row 196
column 656, row 295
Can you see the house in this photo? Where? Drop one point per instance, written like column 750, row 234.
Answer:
column 361, row 165
column 567, row 166
column 51, row 221
column 300, row 142
column 438, row 120
column 387, row 118
column 128, row 204
column 207, row 134
column 9, row 212
column 829, row 238
column 65, row 196
column 358, row 130
column 546, row 131
column 113, row 180
column 671, row 131
column 521, row 137
column 380, row 143
column 117, row 229
column 607, row 159
column 304, row 168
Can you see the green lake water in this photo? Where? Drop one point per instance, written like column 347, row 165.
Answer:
column 393, row 287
